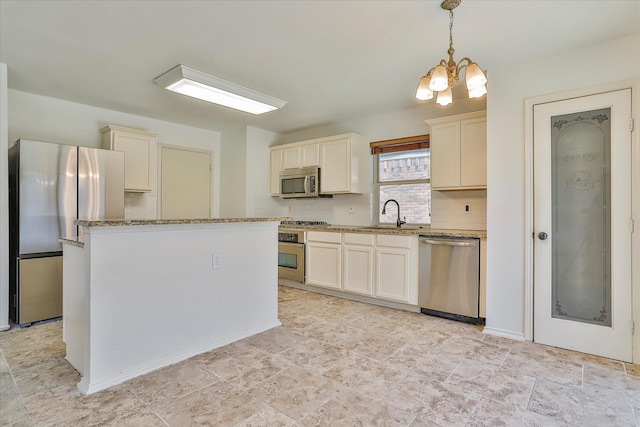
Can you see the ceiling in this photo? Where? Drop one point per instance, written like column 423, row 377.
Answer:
column 331, row 60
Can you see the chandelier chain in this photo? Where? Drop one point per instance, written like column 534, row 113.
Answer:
column 451, row 28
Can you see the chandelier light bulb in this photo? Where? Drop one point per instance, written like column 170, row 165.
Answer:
column 439, row 79
column 477, row 92
column 424, row 93
column 445, row 97
column 475, row 78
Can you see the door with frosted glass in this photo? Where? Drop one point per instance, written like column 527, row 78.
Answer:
column 582, row 234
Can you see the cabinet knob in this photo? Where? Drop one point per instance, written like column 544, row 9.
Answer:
column 542, row 235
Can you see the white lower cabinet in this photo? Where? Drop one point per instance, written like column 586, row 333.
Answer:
column 397, row 268
column 324, row 259
column 358, row 255
column 380, row 266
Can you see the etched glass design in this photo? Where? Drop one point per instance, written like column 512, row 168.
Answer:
column 581, row 216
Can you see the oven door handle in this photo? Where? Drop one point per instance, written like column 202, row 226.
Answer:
column 295, row 245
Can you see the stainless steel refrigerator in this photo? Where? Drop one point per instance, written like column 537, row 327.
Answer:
column 50, row 186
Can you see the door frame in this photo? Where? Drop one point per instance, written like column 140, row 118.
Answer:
column 529, row 103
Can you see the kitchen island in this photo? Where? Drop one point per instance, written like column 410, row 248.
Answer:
column 140, row 295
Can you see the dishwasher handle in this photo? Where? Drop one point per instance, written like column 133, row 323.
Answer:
column 445, row 242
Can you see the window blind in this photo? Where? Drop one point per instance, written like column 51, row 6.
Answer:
column 418, row 142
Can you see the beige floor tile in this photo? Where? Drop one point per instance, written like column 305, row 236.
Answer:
column 316, row 355
column 375, row 346
column 275, row 340
column 220, row 404
column 491, row 413
column 12, row 407
column 116, row 406
column 367, row 376
column 441, row 403
column 296, row 391
column 354, row 409
column 248, row 370
column 268, row 417
column 45, row 377
column 171, row 383
column 545, row 366
column 437, row 366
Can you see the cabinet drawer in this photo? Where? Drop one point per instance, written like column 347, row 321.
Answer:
column 359, row 239
column 394, row 241
column 324, row 236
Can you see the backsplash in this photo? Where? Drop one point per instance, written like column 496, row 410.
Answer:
column 352, row 209
column 448, row 210
column 140, row 206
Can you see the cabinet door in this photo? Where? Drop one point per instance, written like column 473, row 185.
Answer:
column 335, row 167
column 275, row 169
column 137, row 154
column 323, row 265
column 291, row 158
column 393, row 277
column 445, row 155
column 310, row 155
column 473, row 153
column 358, row 269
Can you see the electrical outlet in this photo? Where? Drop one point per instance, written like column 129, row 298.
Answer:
column 467, row 209
column 352, row 209
column 216, row 262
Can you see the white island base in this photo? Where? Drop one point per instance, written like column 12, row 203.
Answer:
column 138, row 296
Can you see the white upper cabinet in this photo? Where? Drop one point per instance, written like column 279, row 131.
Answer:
column 458, row 146
column 301, row 156
column 137, row 146
column 344, row 160
column 345, row 165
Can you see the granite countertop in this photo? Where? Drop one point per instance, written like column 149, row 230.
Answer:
column 73, row 241
column 127, row 222
column 410, row 230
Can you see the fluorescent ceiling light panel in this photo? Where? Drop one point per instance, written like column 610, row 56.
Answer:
column 196, row 84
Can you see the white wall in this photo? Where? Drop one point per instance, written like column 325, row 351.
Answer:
column 233, row 149
column 4, row 202
column 510, row 86
column 258, row 201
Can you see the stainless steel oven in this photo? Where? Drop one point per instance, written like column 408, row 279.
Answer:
column 291, row 254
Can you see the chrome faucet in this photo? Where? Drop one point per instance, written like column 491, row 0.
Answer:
column 384, row 211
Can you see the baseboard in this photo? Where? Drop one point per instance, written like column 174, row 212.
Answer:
column 518, row 336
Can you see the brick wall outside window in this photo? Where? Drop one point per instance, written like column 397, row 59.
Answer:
column 414, row 198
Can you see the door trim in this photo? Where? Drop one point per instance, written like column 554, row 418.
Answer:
column 529, row 103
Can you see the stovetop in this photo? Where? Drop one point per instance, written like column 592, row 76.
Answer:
column 303, row 223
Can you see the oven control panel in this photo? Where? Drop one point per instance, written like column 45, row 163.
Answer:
column 291, row 236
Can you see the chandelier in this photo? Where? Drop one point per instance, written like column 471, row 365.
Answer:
column 443, row 76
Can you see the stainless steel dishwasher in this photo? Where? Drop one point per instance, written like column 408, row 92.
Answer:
column 449, row 278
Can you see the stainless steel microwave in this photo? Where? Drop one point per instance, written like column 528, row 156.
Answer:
column 303, row 182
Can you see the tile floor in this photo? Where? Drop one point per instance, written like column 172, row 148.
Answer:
column 334, row 362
